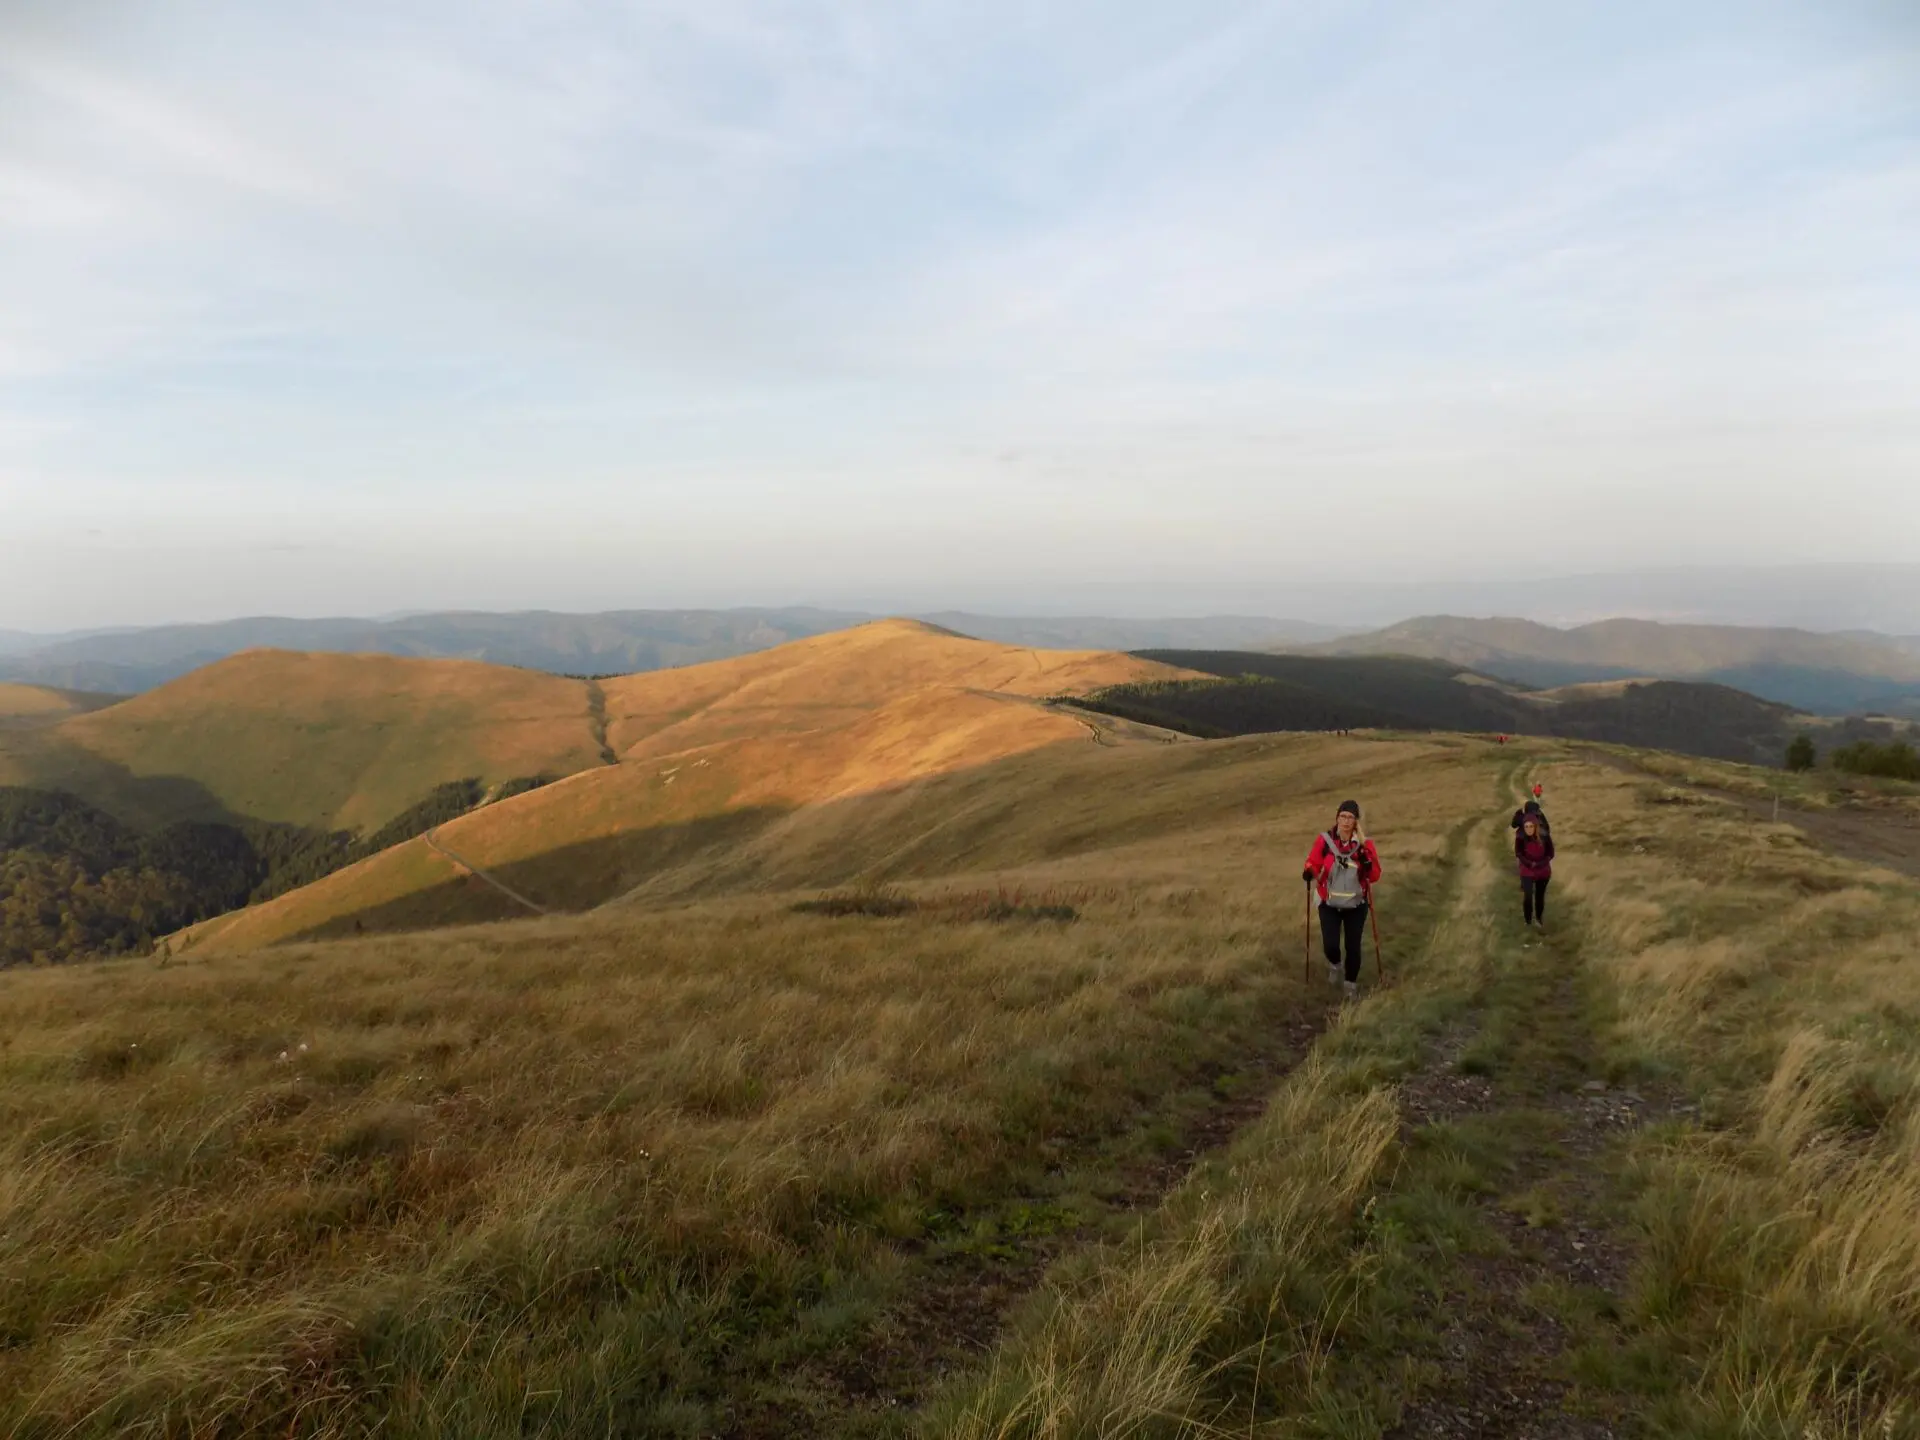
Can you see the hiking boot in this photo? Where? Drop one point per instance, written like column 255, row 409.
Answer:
column 1353, row 991
column 1333, row 974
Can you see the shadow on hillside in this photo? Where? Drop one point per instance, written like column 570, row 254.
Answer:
column 1019, row 810
column 147, row 802
column 569, row 879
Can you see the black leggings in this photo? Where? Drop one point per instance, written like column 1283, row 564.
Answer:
column 1533, row 898
column 1354, row 923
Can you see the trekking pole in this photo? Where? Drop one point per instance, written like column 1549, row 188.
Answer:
column 1306, row 956
column 1373, row 915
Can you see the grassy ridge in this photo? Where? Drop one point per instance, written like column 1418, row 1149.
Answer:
column 748, row 1122
column 720, row 762
column 328, row 742
column 1368, row 1257
column 1783, row 1256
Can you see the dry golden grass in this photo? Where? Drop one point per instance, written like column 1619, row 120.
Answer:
column 332, row 741
column 41, row 704
column 1137, row 1345
column 342, row 741
column 542, row 1174
column 1781, row 982
column 1778, row 1292
column 715, row 753
column 1221, row 1317
column 838, row 679
column 620, row 1171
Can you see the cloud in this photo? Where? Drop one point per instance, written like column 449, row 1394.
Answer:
column 148, row 128
column 368, row 264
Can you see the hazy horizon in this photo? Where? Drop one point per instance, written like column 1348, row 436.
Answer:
column 1830, row 598
column 349, row 309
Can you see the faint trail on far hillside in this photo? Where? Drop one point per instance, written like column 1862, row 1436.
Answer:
column 1889, row 838
column 1110, row 730
column 597, row 722
column 481, row 875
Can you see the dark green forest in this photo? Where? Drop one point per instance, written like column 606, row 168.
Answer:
column 75, row 881
column 1257, row 693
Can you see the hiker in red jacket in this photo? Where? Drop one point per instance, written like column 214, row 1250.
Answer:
column 1341, row 868
column 1533, row 849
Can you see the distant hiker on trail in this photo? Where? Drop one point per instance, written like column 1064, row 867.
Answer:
column 1533, row 849
column 1341, row 868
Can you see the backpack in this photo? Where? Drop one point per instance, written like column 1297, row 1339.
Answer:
column 1343, row 885
column 1532, row 811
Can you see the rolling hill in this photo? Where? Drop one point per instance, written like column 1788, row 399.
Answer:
column 1819, row 673
column 714, row 759
column 324, row 741
column 34, row 705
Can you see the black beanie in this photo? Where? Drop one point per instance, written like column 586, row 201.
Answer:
column 1348, row 807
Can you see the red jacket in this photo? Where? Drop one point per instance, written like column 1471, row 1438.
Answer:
column 1324, row 856
column 1535, row 854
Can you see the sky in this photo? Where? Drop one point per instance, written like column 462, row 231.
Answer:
column 342, row 307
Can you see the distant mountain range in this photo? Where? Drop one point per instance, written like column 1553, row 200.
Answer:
column 1852, row 672
column 1883, row 598
column 1839, row 674
column 619, row 642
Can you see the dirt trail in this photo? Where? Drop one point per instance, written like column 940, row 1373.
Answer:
column 1890, row 840
column 1112, row 730
column 433, row 842
column 952, row 1313
column 597, row 721
column 1515, row 1083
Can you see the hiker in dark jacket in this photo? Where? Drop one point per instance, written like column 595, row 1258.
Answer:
column 1341, row 867
column 1532, row 807
column 1533, row 850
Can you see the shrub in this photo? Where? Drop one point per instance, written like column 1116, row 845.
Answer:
column 1895, row 760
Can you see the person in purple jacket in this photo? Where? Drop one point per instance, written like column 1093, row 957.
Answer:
column 1533, row 849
